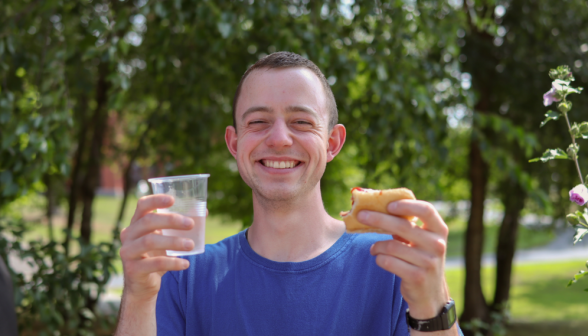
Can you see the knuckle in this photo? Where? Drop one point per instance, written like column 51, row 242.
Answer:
column 392, row 248
column 429, row 262
column 149, row 241
column 142, row 202
column 150, row 217
column 123, row 253
column 429, row 210
column 418, row 277
column 444, row 230
column 440, row 246
column 123, row 235
column 383, row 261
column 177, row 219
column 404, row 228
column 160, row 263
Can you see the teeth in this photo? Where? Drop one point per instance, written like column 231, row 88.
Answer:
column 279, row 164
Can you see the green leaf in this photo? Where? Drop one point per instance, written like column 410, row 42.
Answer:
column 551, row 154
column 583, row 129
column 580, row 233
column 577, row 277
column 550, row 115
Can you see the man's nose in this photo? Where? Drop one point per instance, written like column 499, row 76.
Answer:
column 279, row 136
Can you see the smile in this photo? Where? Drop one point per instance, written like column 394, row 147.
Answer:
column 280, row 164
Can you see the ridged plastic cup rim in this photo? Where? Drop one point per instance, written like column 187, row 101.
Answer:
column 177, row 178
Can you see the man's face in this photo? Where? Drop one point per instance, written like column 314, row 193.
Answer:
column 282, row 143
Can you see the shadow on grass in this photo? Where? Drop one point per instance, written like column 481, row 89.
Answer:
column 568, row 328
column 551, row 299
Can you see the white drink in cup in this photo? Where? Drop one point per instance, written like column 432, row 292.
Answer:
column 189, row 192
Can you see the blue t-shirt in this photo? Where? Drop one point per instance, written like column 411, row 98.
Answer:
column 231, row 290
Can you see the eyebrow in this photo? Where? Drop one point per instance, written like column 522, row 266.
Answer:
column 289, row 109
column 256, row 109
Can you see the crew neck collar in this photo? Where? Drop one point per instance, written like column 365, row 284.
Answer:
column 293, row 267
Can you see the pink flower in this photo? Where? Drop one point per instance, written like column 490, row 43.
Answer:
column 579, row 194
column 550, row 97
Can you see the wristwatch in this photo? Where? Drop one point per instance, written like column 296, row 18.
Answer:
column 443, row 321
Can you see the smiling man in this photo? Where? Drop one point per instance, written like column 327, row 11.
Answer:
column 295, row 271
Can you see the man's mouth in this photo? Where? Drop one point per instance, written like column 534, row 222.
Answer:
column 280, row 164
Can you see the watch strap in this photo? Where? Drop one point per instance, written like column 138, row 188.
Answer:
column 443, row 321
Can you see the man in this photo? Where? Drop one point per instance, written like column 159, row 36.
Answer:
column 294, row 271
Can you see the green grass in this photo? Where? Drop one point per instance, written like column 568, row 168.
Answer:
column 105, row 212
column 538, row 292
column 527, row 238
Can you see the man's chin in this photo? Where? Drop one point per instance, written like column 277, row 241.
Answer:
column 278, row 193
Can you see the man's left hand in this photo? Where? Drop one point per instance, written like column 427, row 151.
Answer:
column 416, row 254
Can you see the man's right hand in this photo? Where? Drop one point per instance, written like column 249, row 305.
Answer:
column 143, row 247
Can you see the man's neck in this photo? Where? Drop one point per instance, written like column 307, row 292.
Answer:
column 297, row 230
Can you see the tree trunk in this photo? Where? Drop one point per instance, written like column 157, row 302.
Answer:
column 127, row 173
column 514, row 202
column 475, row 306
column 74, row 189
column 92, row 179
column 51, row 198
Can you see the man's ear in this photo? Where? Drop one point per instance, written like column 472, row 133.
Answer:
column 336, row 141
column 231, row 140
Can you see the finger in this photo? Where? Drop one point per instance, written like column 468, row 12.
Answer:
column 400, row 239
column 398, row 226
column 406, row 253
column 137, row 248
column 157, row 221
column 425, row 211
column 406, row 271
column 156, row 264
column 147, row 204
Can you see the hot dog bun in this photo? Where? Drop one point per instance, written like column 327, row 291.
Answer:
column 374, row 200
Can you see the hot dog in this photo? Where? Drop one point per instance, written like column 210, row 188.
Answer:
column 374, row 200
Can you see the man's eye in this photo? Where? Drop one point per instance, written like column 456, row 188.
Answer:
column 302, row 122
column 256, row 122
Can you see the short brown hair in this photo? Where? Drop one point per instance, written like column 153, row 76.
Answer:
column 286, row 59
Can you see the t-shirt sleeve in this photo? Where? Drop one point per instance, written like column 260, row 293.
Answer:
column 169, row 311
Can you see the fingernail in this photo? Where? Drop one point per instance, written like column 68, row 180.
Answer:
column 392, row 206
column 363, row 216
column 187, row 222
column 188, row 244
column 185, row 263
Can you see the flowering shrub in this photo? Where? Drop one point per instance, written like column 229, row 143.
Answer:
column 560, row 89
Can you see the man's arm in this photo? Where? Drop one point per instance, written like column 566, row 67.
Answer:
column 136, row 318
column 417, row 255
column 145, row 262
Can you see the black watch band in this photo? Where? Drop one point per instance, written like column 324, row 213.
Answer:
column 443, row 321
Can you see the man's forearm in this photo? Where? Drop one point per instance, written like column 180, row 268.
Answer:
column 136, row 318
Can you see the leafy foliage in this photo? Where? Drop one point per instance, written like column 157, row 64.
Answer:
column 54, row 297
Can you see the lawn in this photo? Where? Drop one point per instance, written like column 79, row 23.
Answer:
column 105, row 211
column 527, row 238
column 538, row 292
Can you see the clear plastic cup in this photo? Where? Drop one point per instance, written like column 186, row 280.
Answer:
column 189, row 192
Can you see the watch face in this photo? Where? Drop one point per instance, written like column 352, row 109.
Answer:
column 451, row 315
